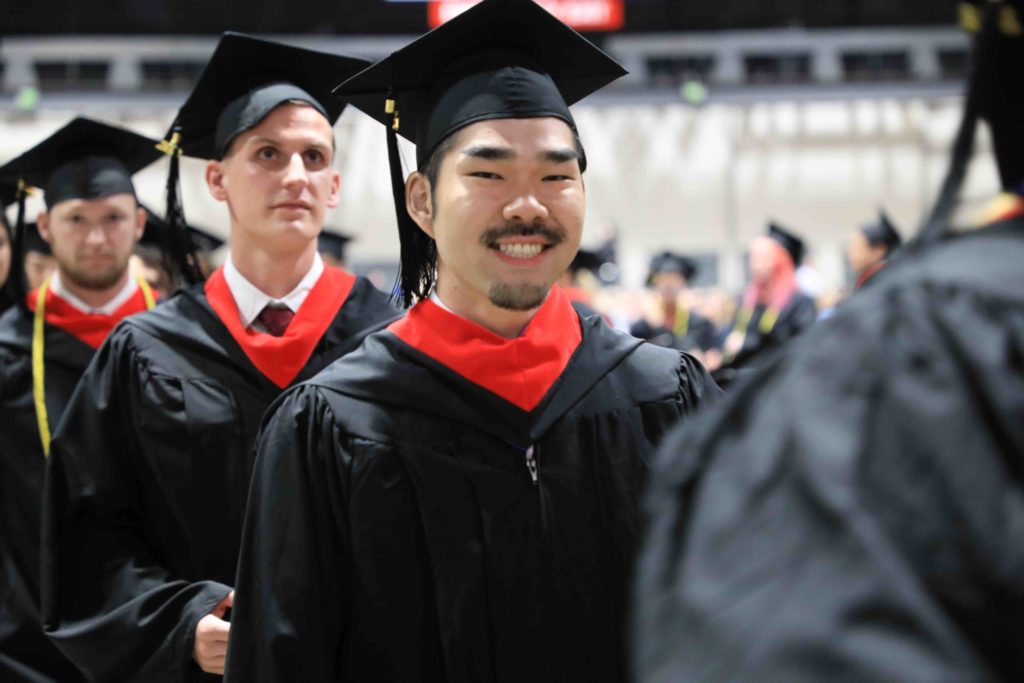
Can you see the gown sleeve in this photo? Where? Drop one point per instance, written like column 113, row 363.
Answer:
column 109, row 603
column 287, row 624
column 851, row 512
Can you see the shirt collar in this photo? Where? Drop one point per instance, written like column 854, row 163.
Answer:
column 250, row 300
column 125, row 293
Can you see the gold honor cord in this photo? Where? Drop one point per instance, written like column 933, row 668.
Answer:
column 765, row 325
column 38, row 349
column 681, row 325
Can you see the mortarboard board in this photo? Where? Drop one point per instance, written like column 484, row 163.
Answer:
column 205, row 241
column 793, row 245
column 499, row 59
column 157, row 233
column 333, row 243
column 882, row 232
column 86, row 159
column 669, row 262
column 246, row 79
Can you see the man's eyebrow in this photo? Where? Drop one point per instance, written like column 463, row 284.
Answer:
column 560, row 156
column 263, row 139
column 489, row 153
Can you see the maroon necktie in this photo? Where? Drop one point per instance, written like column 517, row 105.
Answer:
column 275, row 319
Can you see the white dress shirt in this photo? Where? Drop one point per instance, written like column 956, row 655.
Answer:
column 251, row 301
column 125, row 293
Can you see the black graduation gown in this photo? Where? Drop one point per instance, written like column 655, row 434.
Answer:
column 26, row 654
column 147, row 480
column 394, row 532
column 700, row 334
column 855, row 510
column 796, row 316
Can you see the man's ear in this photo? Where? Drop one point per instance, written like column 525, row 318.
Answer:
column 140, row 223
column 419, row 202
column 215, row 180
column 43, row 225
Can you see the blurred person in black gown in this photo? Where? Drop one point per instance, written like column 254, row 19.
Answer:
column 855, row 509
column 92, row 221
column 673, row 322
column 38, row 262
column 868, row 249
column 772, row 310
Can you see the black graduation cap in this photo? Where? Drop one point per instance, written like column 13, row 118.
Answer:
column 793, row 245
column 333, row 243
column 33, row 241
column 669, row 262
column 157, row 231
column 882, row 232
column 586, row 260
column 205, row 241
column 8, row 195
column 246, row 79
column 86, row 159
column 499, row 59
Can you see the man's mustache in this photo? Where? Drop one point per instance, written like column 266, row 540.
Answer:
column 552, row 235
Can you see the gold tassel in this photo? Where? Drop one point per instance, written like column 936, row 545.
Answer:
column 170, row 147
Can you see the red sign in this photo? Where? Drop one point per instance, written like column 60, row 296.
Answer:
column 582, row 15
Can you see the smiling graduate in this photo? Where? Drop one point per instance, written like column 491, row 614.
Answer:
column 456, row 501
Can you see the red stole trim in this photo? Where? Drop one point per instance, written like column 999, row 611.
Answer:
column 90, row 328
column 579, row 294
column 280, row 359
column 519, row 370
column 869, row 273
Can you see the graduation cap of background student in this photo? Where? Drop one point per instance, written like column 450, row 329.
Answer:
column 85, row 159
column 245, row 79
column 994, row 93
column 33, row 241
column 333, row 244
column 670, row 262
column 499, row 59
column 793, row 245
column 882, row 232
column 156, row 227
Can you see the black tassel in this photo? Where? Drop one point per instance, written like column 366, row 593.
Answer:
column 417, row 266
column 16, row 274
column 179, row 252
column 940, row 218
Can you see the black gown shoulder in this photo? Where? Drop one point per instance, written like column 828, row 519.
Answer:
column 849, row 510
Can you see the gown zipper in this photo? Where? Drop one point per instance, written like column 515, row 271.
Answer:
column 531, row 463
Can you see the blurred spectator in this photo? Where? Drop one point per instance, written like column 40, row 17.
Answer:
column 332, row 244
column 870, row 247
column 39, row 262
column 773, row 308
column 670, row 317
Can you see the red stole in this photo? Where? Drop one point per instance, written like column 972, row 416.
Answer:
column 280, row 359
column 869, row 273
column 90, row 328
column 519, row 370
